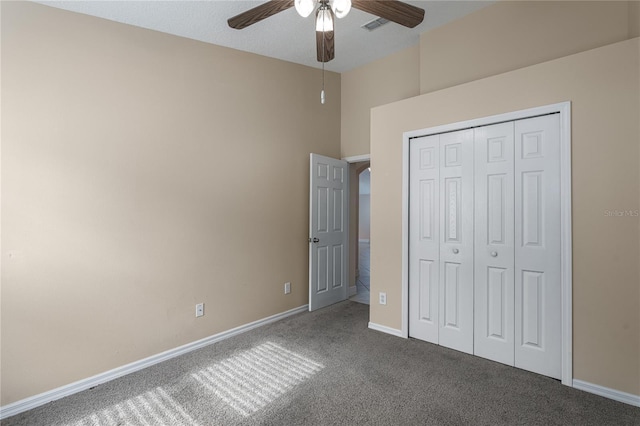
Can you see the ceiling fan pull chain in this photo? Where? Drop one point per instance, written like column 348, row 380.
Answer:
column 323, row 37
column 322, row 92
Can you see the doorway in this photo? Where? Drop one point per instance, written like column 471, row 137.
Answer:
column 359, row 235
column 335, row 195
column 363, row 271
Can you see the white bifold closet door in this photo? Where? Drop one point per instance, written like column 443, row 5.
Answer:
column 424, row 238
column 441, row 240
column 484, row 242
column 456, row 240
column 494, row 243
column 517, row 244
column 537, row 246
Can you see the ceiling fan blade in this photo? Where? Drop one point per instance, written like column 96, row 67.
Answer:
column 259, row 13
column 393, row 10
column 329, row 52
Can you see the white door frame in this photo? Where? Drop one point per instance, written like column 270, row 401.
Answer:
column 355, row 159
column 349, row 160
column 564, row 108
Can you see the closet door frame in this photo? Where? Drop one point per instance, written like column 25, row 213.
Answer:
column 564, row 109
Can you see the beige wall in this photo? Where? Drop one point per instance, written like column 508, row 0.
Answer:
column 603, row 86
column 143, row 173
column 498, row 38
column 386, row 80
column 634, row 18
column 514, row 34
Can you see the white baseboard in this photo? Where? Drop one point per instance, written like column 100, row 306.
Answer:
column 616, row 395
column 52, row 395
column 353, row 290
column 385, row 329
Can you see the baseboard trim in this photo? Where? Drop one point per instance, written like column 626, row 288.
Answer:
column 616, row 395
column 385, row 329
column 52, row 395
column 353, row 290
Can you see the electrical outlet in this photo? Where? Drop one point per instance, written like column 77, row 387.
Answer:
column 199, row 309
column 383, row 298
column 287, row 288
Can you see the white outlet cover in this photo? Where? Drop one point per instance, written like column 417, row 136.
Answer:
column 383, row 298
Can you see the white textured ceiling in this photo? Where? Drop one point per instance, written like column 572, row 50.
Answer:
column 285, row 36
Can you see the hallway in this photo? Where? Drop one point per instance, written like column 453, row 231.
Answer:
column 364, row 276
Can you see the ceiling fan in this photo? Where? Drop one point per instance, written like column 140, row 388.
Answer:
column 391, row 10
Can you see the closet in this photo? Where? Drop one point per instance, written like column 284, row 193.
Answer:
column 484, row 242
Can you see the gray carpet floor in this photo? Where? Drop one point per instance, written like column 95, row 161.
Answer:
column 328, row 368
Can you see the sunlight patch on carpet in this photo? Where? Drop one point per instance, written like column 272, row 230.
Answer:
column 252, row 379
column 155, row 407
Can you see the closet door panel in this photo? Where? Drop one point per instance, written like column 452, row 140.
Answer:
column 494, row 243
column 424, row 237
column 456, row 240
column 537, row 246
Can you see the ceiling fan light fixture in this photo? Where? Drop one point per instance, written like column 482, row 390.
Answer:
column 341, row 7
column 324, row 19
column 304, row 7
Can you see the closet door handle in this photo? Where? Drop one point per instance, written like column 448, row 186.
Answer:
column 456, row 251
column 494, row 254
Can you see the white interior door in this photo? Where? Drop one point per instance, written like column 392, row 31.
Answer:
column 424, row 238
column 328, row 233
column 456, row 240
column 537, row 246
column 494, row 240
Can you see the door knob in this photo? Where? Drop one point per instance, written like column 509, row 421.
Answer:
column 456, row 251
column 494, row 254
column 315, row 240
